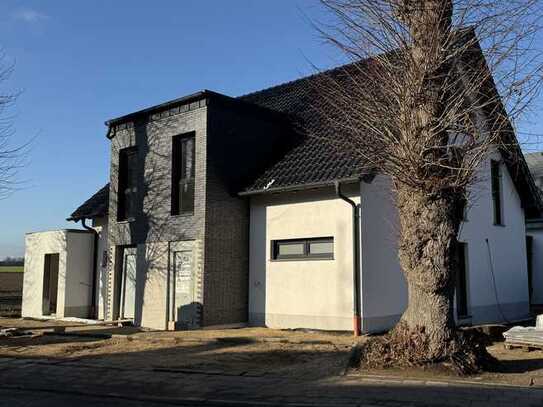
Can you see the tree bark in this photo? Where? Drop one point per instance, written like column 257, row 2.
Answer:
column 426, row 251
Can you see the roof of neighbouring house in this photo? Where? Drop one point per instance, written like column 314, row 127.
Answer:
column 535, row 163
column 94, row 207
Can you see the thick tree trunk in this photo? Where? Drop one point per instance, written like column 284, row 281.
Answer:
column 426, row 251
column 426, row 333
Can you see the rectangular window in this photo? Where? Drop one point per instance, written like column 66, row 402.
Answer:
column 495, row 175
column 126, row 196
column 313, row 248
column 183, row 159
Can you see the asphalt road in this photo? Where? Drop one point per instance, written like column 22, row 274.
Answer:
column 80, row 383
column 20, row 398
column 31, row 398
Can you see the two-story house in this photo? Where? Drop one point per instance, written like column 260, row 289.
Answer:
column 223, row 211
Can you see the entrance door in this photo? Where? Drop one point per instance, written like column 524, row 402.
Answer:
column 128, row 287
column 186, row 310
column 461, row 282
column 50, row 284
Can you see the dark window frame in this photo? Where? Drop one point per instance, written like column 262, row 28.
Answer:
column 179, row 180
column 307, row 255
column 127, row 185
column 496, row 188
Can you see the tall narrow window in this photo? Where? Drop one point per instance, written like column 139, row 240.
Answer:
column 183, row 157
column 126, row 196
column 496, row 191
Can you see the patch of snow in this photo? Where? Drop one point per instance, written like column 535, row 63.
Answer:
column 81, row 320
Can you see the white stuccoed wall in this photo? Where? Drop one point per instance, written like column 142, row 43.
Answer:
column 384, row 292
column 37, row 245
column 301, row 294
column 78, row 274
column 75, row 271
column 101, row 226
column 507, row 253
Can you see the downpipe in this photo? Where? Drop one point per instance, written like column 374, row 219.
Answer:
column 93, row 313
column 357, row 320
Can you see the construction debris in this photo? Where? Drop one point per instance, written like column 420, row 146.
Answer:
column 9, row 332
column 528, row 338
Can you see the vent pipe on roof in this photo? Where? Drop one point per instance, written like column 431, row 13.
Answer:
column 357, row 321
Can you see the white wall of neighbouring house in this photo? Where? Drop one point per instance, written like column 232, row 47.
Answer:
column 315, row 294
column 497, row 283
column 536, row 231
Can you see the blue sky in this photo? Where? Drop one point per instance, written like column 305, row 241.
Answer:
column 79, row 63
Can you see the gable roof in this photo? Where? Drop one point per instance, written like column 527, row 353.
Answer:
column 321, row 160
column 94, row 207
column 318, row 157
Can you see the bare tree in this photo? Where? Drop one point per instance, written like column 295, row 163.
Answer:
column 432, row 92
column 10, row 156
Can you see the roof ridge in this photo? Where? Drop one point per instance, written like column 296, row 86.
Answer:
column 303, row 78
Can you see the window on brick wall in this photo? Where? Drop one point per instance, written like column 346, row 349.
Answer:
column 127, row 188
column 183, row 168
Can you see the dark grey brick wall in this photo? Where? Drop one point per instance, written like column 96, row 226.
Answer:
column 240, row 141
column 153, row 221
column 233, row 142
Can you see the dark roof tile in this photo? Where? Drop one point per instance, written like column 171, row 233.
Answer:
column 319, row 156
column 94, row 207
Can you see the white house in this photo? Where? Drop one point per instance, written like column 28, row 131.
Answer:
column 220, row 212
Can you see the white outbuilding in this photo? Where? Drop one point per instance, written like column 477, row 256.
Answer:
column 58, row 274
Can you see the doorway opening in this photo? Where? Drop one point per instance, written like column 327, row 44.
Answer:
column 185, row 308
column 128, row 284
column 50, row 284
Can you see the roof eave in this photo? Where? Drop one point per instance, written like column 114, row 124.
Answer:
column 192, row 97
column 301, row 187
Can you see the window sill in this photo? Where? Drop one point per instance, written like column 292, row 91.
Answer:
column 182, row 215
column 302, row 259
column 502, row 225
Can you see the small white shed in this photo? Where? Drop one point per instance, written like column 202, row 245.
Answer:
column 58, row 274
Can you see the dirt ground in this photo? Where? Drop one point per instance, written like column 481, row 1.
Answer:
column 515, row 367
column 247, row 351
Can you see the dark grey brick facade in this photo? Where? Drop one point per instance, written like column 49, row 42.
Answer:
column 233, row 141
